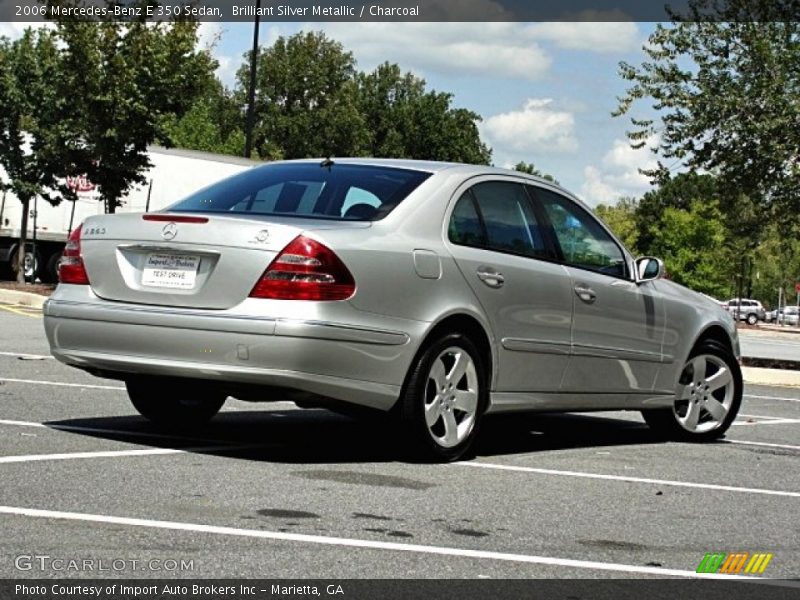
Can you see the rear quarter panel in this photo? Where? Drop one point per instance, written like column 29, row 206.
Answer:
column 382, row 261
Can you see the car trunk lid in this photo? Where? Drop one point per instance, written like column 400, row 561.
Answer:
column 204, row 261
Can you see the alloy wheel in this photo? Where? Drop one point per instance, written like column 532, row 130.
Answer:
column 451, row 397
column 705, row 394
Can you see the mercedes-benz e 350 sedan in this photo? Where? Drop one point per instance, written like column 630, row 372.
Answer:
column 436, row 292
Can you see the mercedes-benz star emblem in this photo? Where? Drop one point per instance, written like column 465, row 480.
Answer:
column 170, row 231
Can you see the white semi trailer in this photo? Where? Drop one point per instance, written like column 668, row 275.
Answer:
column 175, row 174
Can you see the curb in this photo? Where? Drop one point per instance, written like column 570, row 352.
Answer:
column 778, row 329
column 780, row 377
column 22, row 298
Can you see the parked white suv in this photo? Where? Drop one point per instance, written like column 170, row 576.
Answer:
column 746, row 310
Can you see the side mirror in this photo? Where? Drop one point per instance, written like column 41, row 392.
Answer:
column 649, row 268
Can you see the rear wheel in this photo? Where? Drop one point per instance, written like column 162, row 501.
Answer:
column 444, row 399
column 172, row 403
column 707, row 397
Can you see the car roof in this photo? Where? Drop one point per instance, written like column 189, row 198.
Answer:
column 430, row 166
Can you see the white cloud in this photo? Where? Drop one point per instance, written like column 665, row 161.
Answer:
column 495, row 49
column 226, row 71
column 538, row 126
column 619, row 174
column 620, row 36
column 14, row 30
column 209, row 34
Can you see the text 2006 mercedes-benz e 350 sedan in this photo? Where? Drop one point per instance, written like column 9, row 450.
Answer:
column 439, row 292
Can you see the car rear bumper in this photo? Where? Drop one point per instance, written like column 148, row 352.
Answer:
column 352, row 362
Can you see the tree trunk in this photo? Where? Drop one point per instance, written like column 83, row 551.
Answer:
column 23, row 238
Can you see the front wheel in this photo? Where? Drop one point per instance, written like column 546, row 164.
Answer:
column 444, row 399
column 707, row 397
column 752, row 319
column 174, row 404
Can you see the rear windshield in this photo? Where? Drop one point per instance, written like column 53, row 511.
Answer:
column 337, row 191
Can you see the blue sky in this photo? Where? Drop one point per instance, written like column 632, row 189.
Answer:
column 544, row 90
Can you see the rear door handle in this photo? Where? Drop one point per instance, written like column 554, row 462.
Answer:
column 491, row 277
column 585, row 293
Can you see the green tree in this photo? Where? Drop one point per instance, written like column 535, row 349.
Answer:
column 404, row 120
column 126, row 84
column 213, row 124
column 35, row 139
column 621, row 219
column 726, row 88
column 677, row 192
column 531, row 169
column 692, row 243
column 776, row 264
column 305, row 99
column 387, row 99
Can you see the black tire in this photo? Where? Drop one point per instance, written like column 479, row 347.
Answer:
column 37, row 262
column 665, row 421
column 174, row 404
column 418, row 439
column 6, row 272
column 50, row 272
column 752, row 319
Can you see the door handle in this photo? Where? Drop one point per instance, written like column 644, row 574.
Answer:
column 491, row 277
column 585, row 293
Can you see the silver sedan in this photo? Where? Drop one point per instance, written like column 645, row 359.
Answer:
column 435, row 292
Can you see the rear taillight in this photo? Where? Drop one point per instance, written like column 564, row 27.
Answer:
column 305, row 270
column 70, row 267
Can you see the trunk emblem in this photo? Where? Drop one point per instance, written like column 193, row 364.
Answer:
column 262, row 236
column 170, row 231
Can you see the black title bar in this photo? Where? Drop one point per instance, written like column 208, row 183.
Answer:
column 401, row 10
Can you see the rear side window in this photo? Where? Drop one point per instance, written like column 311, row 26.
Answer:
column 465, row 224
column 337, row 192
column 497, row 215
column 508, row 218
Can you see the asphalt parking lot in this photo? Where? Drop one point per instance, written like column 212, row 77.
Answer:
column 273, row 491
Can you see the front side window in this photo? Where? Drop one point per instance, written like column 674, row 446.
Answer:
column 584, row 243
column 338, row 191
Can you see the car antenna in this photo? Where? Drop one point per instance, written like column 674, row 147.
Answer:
column 328, row 162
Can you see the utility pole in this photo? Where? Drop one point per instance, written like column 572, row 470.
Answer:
column 251, row 93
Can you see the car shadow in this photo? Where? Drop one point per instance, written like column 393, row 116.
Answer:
column 319, row 436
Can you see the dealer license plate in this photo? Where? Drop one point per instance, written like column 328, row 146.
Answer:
column 176, row 271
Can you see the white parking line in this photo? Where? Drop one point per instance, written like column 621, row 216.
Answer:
column 767, row 417
column 119, row 453
column 129, row 433
column 27, row 355
column 688, row 484
column 765, row 444
column 359, row 543
column 775, row 421
column 783, row 398
column 61, row 384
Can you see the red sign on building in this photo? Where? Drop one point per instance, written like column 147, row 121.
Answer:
column 80, row 184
